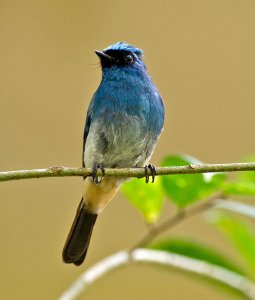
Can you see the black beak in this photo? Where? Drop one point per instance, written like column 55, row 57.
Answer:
column 102, row 55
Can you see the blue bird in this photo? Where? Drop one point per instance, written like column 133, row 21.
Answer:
column 124, row 121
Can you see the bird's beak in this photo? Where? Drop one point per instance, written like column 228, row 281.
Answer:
column 101, row 54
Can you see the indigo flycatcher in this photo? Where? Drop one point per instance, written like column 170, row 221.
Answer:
column 124, row 121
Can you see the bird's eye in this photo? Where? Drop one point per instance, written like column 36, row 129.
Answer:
column 129, row 58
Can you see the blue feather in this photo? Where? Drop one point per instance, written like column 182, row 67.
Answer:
column 126, row 115
column 122, row 46
column 124, row 121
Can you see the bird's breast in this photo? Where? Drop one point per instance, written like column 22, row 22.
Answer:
column 127, row 120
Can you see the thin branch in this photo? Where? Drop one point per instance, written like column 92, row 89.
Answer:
column 95, row 272
column 126, row 172
column 176, row 219
column 122, row 258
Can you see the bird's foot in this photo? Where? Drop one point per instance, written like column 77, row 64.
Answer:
column 153, row 173
column 95, row 178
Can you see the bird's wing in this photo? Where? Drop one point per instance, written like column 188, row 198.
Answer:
column 85, row 135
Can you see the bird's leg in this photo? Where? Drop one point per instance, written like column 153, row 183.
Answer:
column 153, row 173
column 94, row 172
column 146, row 174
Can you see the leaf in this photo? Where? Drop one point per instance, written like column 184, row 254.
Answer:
column 240, row 234
column 195, row 250
column 248, row 176
column 239, row 188
column 237, row 207
column 184, row 189
column 209, row 259
column 243, row 184
column 147, row 198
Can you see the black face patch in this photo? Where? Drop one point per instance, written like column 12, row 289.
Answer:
column 121, row 58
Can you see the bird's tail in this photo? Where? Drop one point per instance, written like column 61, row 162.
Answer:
column 78, row 239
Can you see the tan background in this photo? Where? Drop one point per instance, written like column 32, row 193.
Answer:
column 201, row 56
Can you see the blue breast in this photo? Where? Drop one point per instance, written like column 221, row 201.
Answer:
column 126, row 116
column 129, row 94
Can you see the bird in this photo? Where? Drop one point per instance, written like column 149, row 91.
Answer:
column 124, row 122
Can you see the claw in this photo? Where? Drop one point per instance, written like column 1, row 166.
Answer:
column 94, row 172
column 153, row 173
column 146, row 174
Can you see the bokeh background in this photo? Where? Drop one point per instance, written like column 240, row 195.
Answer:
column 200, row 54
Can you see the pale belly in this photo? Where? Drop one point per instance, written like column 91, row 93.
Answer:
column 127, row 145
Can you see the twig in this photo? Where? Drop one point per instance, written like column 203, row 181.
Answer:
column 119, row 259
column 123, row 258
column 176, row 219
column 127, row 172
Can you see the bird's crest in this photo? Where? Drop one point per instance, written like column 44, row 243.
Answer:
column 122, row 46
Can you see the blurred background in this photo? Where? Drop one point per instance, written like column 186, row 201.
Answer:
column 201, row 56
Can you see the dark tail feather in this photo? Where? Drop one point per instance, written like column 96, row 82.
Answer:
column 78, row 239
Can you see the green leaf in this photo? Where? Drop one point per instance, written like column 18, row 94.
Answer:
column 239, row 188
column 184, row 189
column 196, row 250
column 248, row 176
column 240, row 234
column 147, row 198
column 204, row 255
column 243, row 184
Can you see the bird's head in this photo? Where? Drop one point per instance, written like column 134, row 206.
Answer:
column 120, row 55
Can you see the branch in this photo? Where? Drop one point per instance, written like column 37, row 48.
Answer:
column 178, row 218
column 127, row 172
column 122, row 258
column 183, row 263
